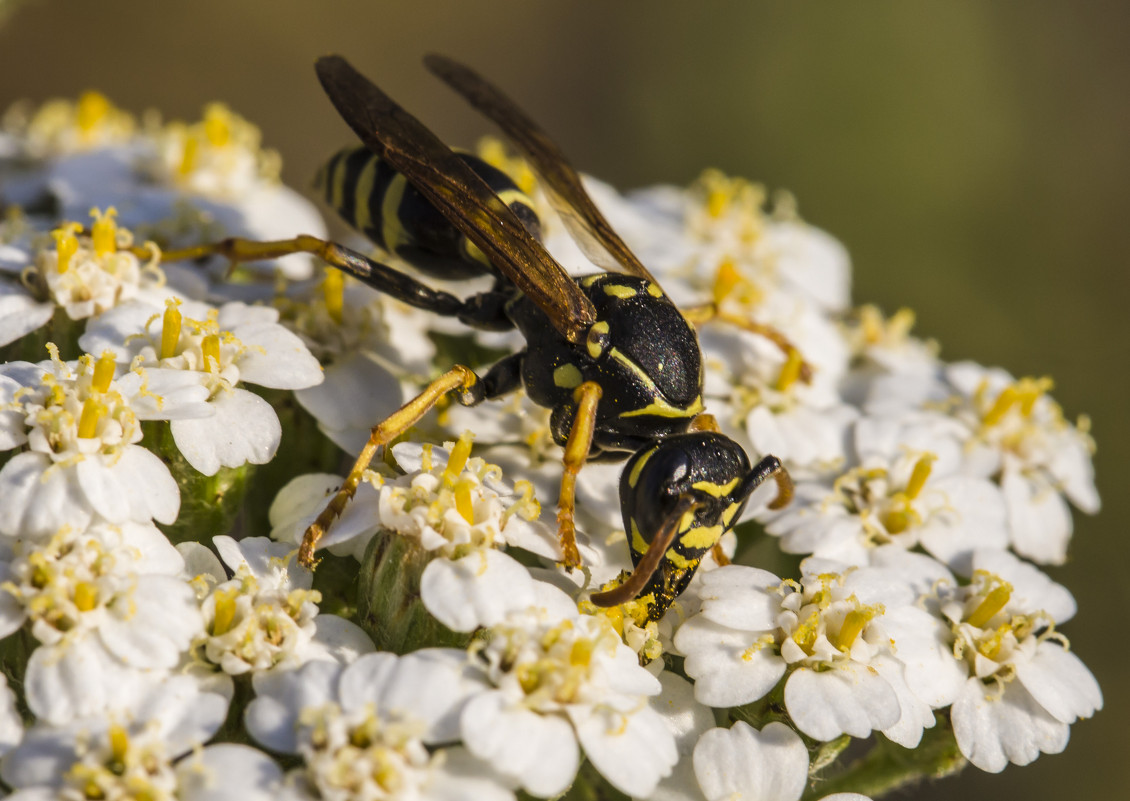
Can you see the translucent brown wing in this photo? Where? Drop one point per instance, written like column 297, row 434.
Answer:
column 459, row 194
column 588, row 227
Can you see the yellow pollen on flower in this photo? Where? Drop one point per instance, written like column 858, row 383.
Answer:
column 210, row 349
column 86, row 596
column 458, row 458
column 852, row 627
column 333, row 293
column 920, row 475
column 806, row 633
column 726, row 278
column 103, row 372
column 218, row 124
column 580, row 654
column 170, row 329
column 104, row 231
column 225, row 611
column 92, row 412
column 91, row 110
column 66, row 244
column 993, row 602
column 1024, row 393
column 790, row 372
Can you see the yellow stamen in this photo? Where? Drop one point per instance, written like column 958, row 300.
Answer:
column 458, row 459
column 170, row 329
column 333, row 292
column 104, row 231
column 852, row 627
column 806, row 633
column 210, row 348
column 1031, row 390
column 725, row 280
column 92, row 108
column 790, row 372
column 86, row 596
column 225, row 611
column 92, row 412
column 119, row 743
column 66, row 244
column 994, row 602
column 920, row 475
column 217, row 124
column 103, row 372
column 463, row 503
column 189, row 156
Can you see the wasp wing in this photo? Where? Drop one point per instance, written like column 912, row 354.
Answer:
column 459, row 194
column 588, row 227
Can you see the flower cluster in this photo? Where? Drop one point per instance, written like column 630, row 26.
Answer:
column 159, row 420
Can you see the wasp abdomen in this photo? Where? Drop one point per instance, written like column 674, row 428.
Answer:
column 378, row 201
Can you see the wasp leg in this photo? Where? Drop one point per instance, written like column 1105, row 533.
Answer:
column 719, row 555
column 769, row 467
column 586, row 396
column 480, row 311
column 647, row 566
column 470, row 392
column 704, row 422
column 704, row 313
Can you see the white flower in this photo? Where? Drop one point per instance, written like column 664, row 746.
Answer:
column 743, row 764
column 106, row 605
column 891, row 370
column 1024, row 687
column 557, row 679
column 266, row 616
column 1020, row 435
column 126, row 752
column 841, row 638
column 906, row 491
column 374, row 729
column 454, row 505
column 80, row 426
column 11, row 725
column 219, row 349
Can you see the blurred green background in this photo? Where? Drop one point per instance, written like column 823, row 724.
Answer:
column 974, row 157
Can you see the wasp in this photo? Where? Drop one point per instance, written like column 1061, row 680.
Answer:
column 616, row 362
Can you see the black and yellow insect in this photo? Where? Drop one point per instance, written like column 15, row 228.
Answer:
column 612, row 357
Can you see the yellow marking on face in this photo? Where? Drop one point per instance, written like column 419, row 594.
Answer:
column 654, row 290
column 715, row 490
column 567, row 376
column 637, row 468
column 728, row 515
column 392, row 232
column 619, row 291
column 701, row 537
column 593, row 346
column 362, row 214
column 639, row 544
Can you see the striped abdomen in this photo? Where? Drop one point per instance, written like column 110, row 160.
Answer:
column 380, row 203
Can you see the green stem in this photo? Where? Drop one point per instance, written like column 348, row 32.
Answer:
column 888, row 767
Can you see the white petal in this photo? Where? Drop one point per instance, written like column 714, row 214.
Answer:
column 1039, row 518
column 337, row 639
column 153, row 625
column 20, row 313
column 244, row 429
column 356, row 394
column 38, row 499
column 276, row 358
column 180, row 714
column 272, row 718
column 146, row 486
column 476, row 590
column 727, row 668
column 916, row 714
column 741, row 597
column 687, row 720
column 632, row 749
column 539, row 751
column 1032, row 589
column 228, row 772
column 1060, row 683
column 77, row 678
column 741, row 762
column 848, row 700
column 429, row 686
column 994, row 729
